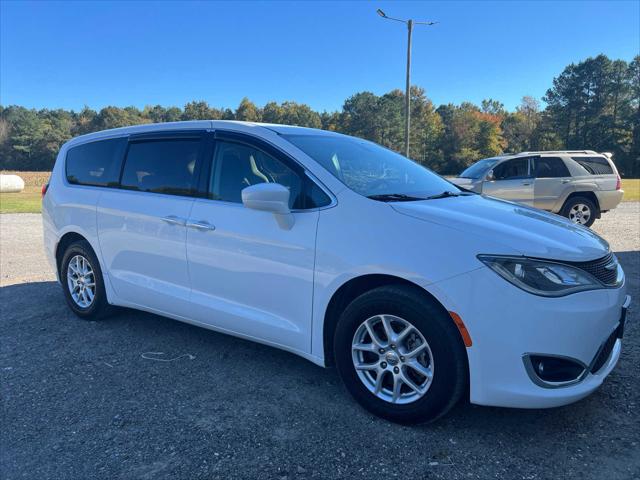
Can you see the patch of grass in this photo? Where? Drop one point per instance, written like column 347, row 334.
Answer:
column 631, row 187
column 27, row 201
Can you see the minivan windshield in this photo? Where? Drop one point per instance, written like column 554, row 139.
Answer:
column 478, row 169
column 371, row 170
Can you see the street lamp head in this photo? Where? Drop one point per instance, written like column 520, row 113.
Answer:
column 381, row 13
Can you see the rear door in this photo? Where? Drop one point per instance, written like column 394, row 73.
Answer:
column 142, row 225
column 552, row 182
column 249, row 275
column 512, row 180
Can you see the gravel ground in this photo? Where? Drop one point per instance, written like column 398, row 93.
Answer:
column 79, row 399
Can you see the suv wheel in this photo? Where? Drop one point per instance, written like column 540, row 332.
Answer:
column 400, row 355
column 82, row 282
column 580, row 210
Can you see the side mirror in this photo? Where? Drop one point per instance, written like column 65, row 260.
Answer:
column 490, row 176
column 270, row 197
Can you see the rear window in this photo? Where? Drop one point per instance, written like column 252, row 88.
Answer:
column 162, row 166
column 95, row 163
column 594, row 165
column 551, row 167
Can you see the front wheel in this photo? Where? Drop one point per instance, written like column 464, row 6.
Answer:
column 580, row 210
column 400, row 355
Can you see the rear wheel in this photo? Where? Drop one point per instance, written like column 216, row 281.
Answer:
column 82, row 282
column 580, row 210
column 400, row 355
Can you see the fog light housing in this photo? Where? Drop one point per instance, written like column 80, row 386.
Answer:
column 554, row 371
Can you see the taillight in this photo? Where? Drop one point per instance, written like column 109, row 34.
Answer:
column 44, row 189
column 618, row 183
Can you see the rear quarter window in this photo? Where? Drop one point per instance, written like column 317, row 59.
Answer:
column 594, row 165
column 95, row 163
column 315, row 196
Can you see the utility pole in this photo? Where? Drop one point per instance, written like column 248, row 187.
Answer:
column 407, row 96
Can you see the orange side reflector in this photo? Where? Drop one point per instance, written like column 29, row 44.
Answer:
column 466, row 338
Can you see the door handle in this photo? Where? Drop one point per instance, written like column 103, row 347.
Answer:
column 173, row 220
column 566, row 181
column 201, row 225
column 526, row 183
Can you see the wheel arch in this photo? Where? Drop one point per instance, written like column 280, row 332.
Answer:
column 67, row 239
column 586, row 194
column 355, row 287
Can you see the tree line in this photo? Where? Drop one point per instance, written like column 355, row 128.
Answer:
column 594, row 104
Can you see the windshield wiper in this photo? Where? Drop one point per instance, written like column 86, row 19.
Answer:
column 393, row 197
column 444, row 194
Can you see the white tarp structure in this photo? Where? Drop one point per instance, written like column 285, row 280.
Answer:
column 11, row 184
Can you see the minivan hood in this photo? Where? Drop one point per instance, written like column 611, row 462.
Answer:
column 531, row 232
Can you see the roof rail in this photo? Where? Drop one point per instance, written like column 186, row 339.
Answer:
column 590, row 152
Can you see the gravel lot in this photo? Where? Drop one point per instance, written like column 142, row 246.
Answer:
column 80, row 401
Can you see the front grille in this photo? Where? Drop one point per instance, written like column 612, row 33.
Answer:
column 608, row 276
column 605, row 352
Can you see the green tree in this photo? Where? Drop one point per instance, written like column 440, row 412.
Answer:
column 520, row 127
column 427, row 130
column 632, row 122
column 291, row 113
column 248, row 111
column 201, row 111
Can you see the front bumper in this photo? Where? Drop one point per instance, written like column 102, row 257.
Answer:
column 506, row 323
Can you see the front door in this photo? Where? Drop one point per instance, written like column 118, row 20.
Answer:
column 249, row 275
column 511, row 180
column 142, row 226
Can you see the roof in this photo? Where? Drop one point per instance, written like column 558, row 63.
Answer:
column 294, row 130
column 199, row 125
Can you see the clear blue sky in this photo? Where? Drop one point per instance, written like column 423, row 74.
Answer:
column 70, row 54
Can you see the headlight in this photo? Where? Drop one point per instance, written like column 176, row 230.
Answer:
column 540, row 277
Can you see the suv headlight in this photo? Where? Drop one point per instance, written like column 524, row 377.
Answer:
column 540, row 277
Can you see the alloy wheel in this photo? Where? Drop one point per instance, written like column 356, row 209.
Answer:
column 392, row 359
column 81, row 281
column 580, row 214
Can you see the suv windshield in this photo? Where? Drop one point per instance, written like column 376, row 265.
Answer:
column 372, row 170
column 478, row 169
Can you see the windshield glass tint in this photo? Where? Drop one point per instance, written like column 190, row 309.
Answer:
column 478, row 169
column 368, row 168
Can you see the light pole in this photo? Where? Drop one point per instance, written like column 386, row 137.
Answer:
column 407, row 98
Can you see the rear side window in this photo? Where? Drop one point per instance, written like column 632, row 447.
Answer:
column 162, row 166
column 594, row 165
column 517, row 168
column 551, row 167
column 95, row 163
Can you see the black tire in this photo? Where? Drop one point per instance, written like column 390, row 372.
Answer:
column 99, row 307
column 576, row 201
column 450, row 377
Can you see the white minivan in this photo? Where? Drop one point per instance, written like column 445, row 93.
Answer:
column 342, row 252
